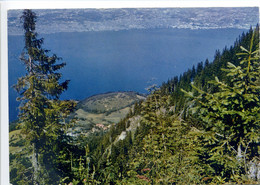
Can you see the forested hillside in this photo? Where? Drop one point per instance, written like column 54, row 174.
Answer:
column 201, row 127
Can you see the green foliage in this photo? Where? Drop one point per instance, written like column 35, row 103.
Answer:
column 42, row 114
column 22, row 172
column 231, row 116
column 169, row 149
column 81, row 171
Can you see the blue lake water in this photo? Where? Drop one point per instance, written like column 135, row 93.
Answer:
column 99, row 62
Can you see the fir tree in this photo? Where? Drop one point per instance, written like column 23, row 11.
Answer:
column 42, row 114
column 231, row 116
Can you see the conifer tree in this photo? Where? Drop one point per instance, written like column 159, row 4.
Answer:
column 231, row 115
column 41, row 112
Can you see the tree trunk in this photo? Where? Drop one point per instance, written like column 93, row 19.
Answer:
column 239, row 152
column 30, row 65
column 35, row 164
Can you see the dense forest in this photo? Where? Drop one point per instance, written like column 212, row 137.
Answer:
column 201, row 127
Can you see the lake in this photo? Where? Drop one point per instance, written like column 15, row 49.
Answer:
column 130, row 60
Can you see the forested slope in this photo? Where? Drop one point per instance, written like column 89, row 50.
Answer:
column 200, row 127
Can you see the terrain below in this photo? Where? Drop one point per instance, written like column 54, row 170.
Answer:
column 100, row 111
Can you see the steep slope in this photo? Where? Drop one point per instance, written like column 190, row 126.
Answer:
column 166, row 140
